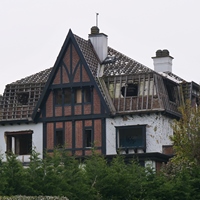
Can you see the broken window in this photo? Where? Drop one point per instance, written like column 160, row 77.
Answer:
column 171, row 91
column 131, row 137
column 22, row 98
column 88, row 138
column 59, row 138
column 19, row 142
column 83, row 95
column 129, row 90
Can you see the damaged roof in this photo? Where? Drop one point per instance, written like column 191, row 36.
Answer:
column 32, row 86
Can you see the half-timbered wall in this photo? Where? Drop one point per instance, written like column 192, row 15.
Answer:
column 73, row 111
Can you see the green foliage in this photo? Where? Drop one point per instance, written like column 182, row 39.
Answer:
column 186, row 138
column 59, row 174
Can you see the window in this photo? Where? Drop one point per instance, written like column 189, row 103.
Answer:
column 131, row 137
column 67, row 96
column 83, row 95
column 171, row 91
column 19, row 142
column 22, row 98
column 88, row 138
column 129, row 90
column 87, row 94
column 78, row 96
column 63, row 95
column 58, row 97
column 59, row 138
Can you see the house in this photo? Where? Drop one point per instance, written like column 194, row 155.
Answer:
column 95, row 96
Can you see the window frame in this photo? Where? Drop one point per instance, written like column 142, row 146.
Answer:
column 55, row 139
column 130, row 90
column 85, row 142
column 20, row 138
column 64, row 96
column 143, row 132
column 58, row 100
column 84, row 93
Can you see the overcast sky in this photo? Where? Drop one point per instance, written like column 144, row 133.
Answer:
column 33, row 31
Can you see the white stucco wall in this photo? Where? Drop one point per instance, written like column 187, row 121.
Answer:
column 37, row 138
column 158, row 130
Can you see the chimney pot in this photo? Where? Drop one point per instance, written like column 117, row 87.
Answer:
column 94, row 30
column 165, row 53
column 159, row 53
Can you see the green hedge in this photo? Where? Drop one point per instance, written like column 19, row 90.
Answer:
column 94, row 179
column 33, row 198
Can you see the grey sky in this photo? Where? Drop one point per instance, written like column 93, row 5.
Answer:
column 33, row 31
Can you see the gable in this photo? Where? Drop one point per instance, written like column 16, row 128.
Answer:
column 71, row 88
column 71, row 69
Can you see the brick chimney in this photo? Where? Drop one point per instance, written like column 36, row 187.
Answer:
column 162, row 61
column 99, row 42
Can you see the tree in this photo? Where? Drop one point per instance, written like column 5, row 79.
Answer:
column 186, row 138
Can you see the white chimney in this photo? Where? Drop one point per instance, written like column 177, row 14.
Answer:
column 99, row 42
column 163, row 61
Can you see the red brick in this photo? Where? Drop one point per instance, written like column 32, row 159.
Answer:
column 87, row 109
column 59, row 125
column 79, row 153
column 88, row 123
column 97, row 103
column 49, row 106
column 85, row 76
column 77, row 75
column 75, row 58
column 50, row 136
column 79, row 134
column 57, row 78
column 68, row 134
column 68, row 110
column 97, row 133
column 65, row 78
column 58, row 111
column 66, row 59
column 78, row 109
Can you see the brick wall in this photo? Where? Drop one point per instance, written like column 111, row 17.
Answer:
column 50, row 135
column 79, row 134
column 97, row 102
column 68, row 134
column 49, row 105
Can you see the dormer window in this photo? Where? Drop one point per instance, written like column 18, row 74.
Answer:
column 129, row 90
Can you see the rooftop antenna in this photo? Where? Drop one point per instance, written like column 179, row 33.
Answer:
column 97, row 19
